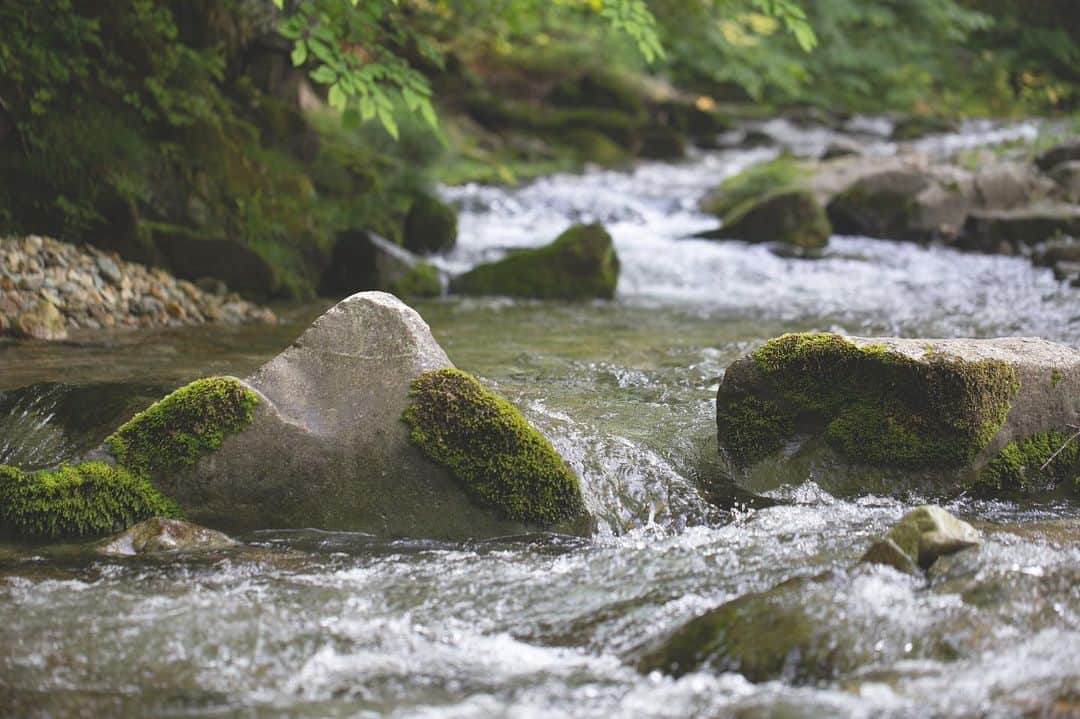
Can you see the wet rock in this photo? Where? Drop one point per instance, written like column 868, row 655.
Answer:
column 109, row 269
column 430, row 226
column 160, row 534
column 233, row 262
column 920, row 537
column 776, row 634
column 1011, row 231
column 1006, row 186
column 1065, row 152
column 842, row 147
column 325, row 445
column 41, row 322
column 662, row 143
column 1067, row 177
column 364, row 261
column 580, row 264
column 790, row 217
column 913, row 127
column 855, row 410
column 910, row 205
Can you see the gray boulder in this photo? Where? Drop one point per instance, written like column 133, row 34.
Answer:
column 879, row 414
column 317, row 439
column 789, row 217
column 1013, row 231
column 1067, row 177
column 1065, row 152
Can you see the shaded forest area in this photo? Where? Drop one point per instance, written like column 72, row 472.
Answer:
column 196, row 136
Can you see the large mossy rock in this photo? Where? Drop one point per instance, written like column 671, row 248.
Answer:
column 852, row 410
column 580, row 264
column 1065, row 152
column 327, row 447
column 791, row 217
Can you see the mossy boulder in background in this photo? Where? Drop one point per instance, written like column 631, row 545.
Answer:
column 920, row 537
column 1015, row 231
column 430, row 226
column 943, row 408
column 903, row 204
column 365, row 261
column 913, row 127
column 580, row 264
column 790, row 217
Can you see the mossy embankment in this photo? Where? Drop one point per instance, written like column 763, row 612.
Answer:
column 100, row 496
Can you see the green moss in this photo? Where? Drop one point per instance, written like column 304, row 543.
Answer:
column 874, row 406
column 755, row 182
column 580, row 264
column 1055, row 377
column 177, row 429
column 791, row 216
column 421, row 281
column 485, row 442
column 89, row 498
column 1016, row 468
column 754, row 427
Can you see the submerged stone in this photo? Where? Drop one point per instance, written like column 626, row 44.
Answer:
column 580, row 264
column 943, row 407
column 920, row 537
column 365, row 261
column 160, row 534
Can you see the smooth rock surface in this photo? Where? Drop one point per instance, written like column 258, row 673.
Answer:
column 1010, row 231
column 327, row 447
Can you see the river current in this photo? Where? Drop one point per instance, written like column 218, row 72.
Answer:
column 310, row 623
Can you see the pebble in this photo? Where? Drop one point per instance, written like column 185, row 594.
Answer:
column 43, row 280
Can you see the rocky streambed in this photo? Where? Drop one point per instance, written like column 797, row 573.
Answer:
column 314, row 622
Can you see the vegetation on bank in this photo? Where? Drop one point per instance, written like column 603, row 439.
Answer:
column 240, row 141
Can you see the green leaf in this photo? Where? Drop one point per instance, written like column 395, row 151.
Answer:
column 387, row 119
column 337, row 97
column 299, row 53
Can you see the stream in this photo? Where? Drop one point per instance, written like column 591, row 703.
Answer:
column 309, row 623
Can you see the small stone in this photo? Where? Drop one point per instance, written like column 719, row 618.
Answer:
column 31, row 282
column 43, row 322
column 921, row 536
column 165, row 535
column 175, row 310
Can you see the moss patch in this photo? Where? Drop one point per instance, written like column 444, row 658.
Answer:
column 503, row 462
column 177, row 429
column 738, row 192
column 791, row 216
column 874, row 406
column 421, row 281
column 85, row 499
column 1016, row 468
column 580, row 264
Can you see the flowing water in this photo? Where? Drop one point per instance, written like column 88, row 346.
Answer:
column 309, row 623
